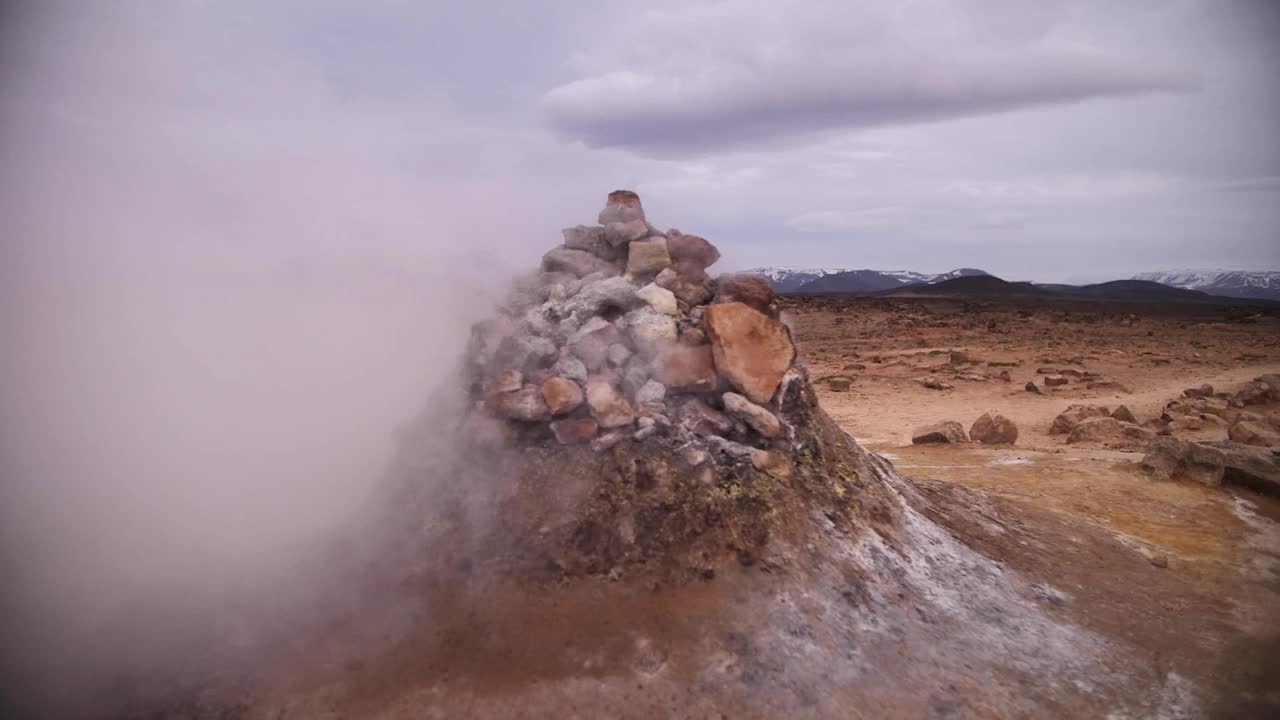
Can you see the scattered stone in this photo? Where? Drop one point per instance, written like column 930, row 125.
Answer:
column 1047, row 371
column 1124, row 414
column 1254, row 433
column 685, row 368
column 1108, row 385
column 561, row 395
column 1198, row 392
column 660, row 299
column 839, row 384
column 1032, row 387
column 935, row 384
column 1253, row 393
column 647, row 257
column 760, row 419
column 1067, row 420
column 1055, row 381
column 751, row 290
column 993, row 429
column 1160, row 561
column 947, row 431
column 606, row 441
column 751, row 350
column 574, row 430
column 959, row 357
column 1096, row 429
column 608, row 406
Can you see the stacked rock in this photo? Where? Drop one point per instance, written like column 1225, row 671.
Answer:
column 622, row 335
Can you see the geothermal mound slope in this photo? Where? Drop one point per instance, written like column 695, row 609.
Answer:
column 640, row 510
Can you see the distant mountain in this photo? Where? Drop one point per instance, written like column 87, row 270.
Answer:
column 1259, row 285
column 821, row 280
column 983, row 286
column 1133, row 290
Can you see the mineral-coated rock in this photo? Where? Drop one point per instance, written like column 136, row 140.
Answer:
column 619, row 234
column 760, row 419
column 993, row 429
column 947, row 431
column 592, row 342
column 1169, row 457
column 685, row 368
column 523, row 404
column 751, row 350
column 702, row 419
column 649, row 330
column 1074, row 415
column 574, row 430
column 751, row 290
column 621, row 206
column 690, row 251
column 634, row 376
column 599, row 295
column 608, row 406
column 647, row 257
column 651, row 392
column 577, row 262
column 688, row 287
column 660, row 299
column 561, row 395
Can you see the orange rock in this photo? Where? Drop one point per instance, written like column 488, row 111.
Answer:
column 751, row 350
column 562, row 395
column 574, row 430
column 750, row 289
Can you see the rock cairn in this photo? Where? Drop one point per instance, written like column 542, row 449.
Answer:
column 623, row 335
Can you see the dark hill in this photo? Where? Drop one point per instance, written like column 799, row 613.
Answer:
column 972, row 286
column 1134, row 290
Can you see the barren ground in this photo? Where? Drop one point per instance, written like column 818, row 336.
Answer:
column 1081, row 519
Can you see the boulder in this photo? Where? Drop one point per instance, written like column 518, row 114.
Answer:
column 1254, row 433
column 751, row 350
column 993, row 429
column 1055, row 381
column 1067, row 420
column 1255, row 468
column 685, row 368
column 621, row 206
column 574, row 430
column 1124, row 414
column 760, row 419
column 1169, row 457
column 579, row 263
column 659, row 298
column 609, row 408
column 523, row 404
column 688, row 287
column 647, row 257
column 561, row 395
column 1096, row 429
column 1253, row 393
column 947, row 431
column 690, row 252
column 751, row 290
column 1032, row 387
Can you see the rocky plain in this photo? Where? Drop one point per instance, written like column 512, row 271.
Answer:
column 660, row 491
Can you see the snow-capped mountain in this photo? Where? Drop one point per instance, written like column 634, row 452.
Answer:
column 842, row 280
column 1263, row 284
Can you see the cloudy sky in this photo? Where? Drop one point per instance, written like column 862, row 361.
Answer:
column 1047, row 140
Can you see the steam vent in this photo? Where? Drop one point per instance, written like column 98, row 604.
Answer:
column 632, row 505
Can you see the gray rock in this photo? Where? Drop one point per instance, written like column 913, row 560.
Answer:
column 598, row 295
column 570, row 367
column 660, row 299
column 701, row 419
column 619, row 354
column 606, row 441
column 947, row 431
column 618, row 234
column 590, row 238
column 649, row 330
column 651, row 392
